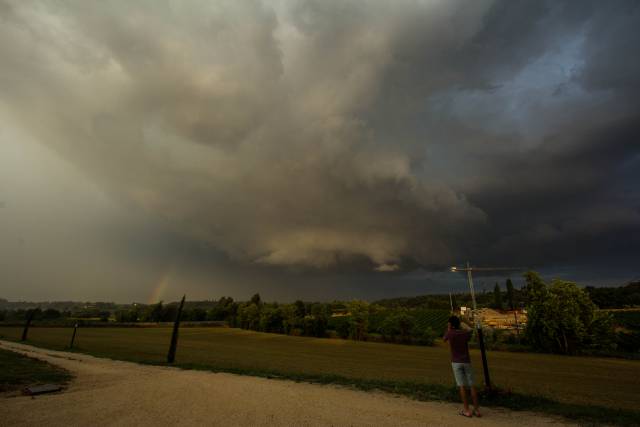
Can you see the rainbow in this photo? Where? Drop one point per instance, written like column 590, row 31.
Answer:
column 159, row 289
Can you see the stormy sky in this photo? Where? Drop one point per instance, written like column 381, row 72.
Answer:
column 314, row 149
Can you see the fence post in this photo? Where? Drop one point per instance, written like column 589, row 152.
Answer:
column 30, row 315
column 73, row 337
column 174, row 336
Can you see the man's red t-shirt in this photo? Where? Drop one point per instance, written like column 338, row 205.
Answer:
column 459, row 341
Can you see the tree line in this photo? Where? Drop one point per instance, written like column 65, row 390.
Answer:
column 562, row 317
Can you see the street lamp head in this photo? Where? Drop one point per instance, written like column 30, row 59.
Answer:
column 454, row 269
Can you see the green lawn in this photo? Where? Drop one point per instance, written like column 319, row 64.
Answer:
column 18, row 371
column 612, row 383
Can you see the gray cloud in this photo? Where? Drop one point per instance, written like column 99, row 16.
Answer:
column 339, row 135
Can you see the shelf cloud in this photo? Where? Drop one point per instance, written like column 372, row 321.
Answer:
column 326, row 135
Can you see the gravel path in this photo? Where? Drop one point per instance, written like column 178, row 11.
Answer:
column 108, row 392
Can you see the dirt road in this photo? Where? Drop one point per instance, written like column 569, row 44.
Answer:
column 108, row 392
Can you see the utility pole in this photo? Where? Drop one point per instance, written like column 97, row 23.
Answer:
column 476, row 319
column 478, row 325
column 451, row 302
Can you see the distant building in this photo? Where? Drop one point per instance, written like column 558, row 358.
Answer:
column 503, row 320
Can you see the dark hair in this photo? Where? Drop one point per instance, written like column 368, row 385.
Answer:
column 455, row 322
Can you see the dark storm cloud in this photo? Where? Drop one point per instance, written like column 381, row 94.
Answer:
column 580, row 200
column 342, row 135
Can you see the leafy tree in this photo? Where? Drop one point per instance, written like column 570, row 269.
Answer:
column 342, row 325
column 169, row 313
column 255, row 299
column 307, row 325
column 249, row 316
column 225, row 309
column 399, row 325
column 359, row 321
column 406, row 324
column 389, row 328
column 216, row 313
column 51, row 313
column 497, row 297
column 220, row 310
column 126, row 316
column 320, row 314
column 153, row 313
column 197, row 314
column 290, row 320
column 300, row 309
column 307, row 307
column 562, row 319
column 510, row 296
column 271, row 319
column 425, row 337
column 232, row 313
column 535, row 288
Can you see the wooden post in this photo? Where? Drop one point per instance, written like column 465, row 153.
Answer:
column 73, row 337
column 174, row 337
column 30, row 314
column 485, row 365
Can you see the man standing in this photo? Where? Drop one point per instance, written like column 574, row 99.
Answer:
column 461, row 363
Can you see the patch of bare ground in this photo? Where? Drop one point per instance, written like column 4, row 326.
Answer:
column 107, row 392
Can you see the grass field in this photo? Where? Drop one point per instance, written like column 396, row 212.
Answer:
column 602, row 382
column 19, row 371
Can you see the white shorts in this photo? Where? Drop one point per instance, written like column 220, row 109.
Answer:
column 463, row 373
